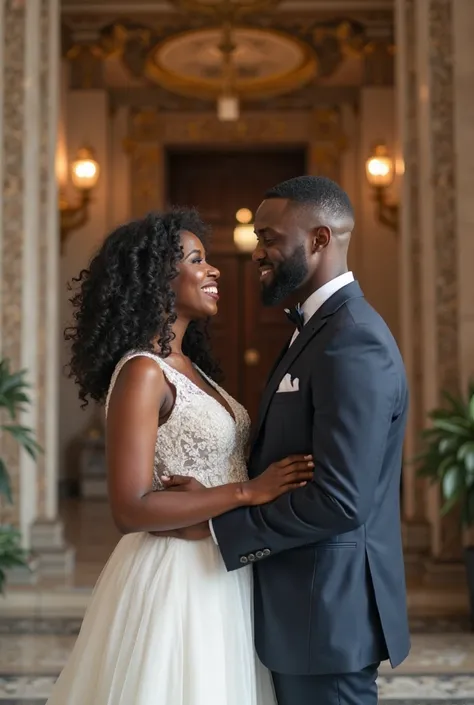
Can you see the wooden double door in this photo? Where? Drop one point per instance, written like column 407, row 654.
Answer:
column 246, row 336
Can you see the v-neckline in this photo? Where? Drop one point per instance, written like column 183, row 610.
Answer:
column 229, row 411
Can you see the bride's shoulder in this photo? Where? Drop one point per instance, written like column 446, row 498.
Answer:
column 138, row 367
column 137, row 377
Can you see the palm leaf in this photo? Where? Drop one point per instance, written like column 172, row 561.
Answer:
column 448, row 453
column 470, row 387
column 14, row 399
column 5, row 485
column 458, row 407
column 24, row 436
column 11, row 552
column 471, row 408
column 455, row 425
column 12, row 389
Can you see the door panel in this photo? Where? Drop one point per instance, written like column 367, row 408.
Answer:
column 225, row 327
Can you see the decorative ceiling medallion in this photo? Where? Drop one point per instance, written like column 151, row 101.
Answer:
column 266, row 63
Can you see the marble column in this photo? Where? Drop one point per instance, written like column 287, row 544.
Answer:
column 417, row 532
column 434, row 67
column 463, row 23
column 29, row 260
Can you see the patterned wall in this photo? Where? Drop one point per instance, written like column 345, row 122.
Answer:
column 26, row 283
column 12, row 216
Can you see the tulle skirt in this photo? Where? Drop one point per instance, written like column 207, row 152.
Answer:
column 167, row 625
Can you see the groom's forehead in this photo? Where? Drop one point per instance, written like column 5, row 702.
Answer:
column 274, row 212
column 284, row 217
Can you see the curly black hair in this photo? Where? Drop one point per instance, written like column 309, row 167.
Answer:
column 124, row 301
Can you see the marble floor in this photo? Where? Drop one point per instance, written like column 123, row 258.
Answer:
column 440, row 668
column 38, row 630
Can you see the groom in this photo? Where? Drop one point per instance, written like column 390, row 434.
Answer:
column 329, row 576
column 328, row 566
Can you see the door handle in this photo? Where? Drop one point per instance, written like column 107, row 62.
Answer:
column 251, row 357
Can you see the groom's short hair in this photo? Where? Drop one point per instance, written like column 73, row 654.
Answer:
column 318, row 192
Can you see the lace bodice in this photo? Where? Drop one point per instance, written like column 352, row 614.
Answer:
column 200, row 438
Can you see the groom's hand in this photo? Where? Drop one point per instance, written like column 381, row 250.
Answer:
column 190, row 533
column 180, row 483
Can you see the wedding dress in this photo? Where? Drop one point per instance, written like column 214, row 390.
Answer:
column 167, row 625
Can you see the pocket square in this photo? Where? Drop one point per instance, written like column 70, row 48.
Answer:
column 288, row 385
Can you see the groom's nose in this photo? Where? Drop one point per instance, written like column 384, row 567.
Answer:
column 259, row 254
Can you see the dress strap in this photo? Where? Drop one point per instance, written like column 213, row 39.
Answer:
column 167, row 370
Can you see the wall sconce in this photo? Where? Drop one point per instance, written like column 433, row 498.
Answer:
column 244, row 233
column 379, row 169
column 85, row 172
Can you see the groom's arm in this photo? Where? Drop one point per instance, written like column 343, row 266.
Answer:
column 355, row 391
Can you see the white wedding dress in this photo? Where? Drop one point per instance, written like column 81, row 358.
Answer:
column 167, row 624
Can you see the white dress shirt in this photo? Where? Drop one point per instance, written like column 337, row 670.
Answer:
column 309, row 308
column 320, row 296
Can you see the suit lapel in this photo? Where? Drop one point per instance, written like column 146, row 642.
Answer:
column 289, row 355
column 280, row 357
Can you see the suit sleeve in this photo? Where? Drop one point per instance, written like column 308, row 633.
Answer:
column 355, row 394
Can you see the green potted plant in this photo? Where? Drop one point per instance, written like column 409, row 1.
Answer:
column 13, row 399
column 448, row 459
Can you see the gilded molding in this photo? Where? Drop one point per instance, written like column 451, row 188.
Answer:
column 443, row 179
column 412, row 173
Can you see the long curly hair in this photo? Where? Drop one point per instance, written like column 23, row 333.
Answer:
column 124, row 301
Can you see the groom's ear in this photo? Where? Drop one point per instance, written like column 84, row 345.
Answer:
column 320, row 238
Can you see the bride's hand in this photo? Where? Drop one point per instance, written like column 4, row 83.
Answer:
column 281, row 477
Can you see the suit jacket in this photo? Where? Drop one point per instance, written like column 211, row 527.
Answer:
column 329, row 582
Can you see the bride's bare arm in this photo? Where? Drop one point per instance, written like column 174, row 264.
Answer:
column 139, row 394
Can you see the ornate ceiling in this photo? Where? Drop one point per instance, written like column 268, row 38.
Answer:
column 283, row 55
column 266, row 63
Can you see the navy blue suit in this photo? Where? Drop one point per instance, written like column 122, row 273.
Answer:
column 329, row 576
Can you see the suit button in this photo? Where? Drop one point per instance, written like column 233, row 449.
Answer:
column 266, row 551
column 251, row 557
column 244, row 560
column 259, row 554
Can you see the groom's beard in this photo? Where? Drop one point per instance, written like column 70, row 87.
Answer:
column 288, row 277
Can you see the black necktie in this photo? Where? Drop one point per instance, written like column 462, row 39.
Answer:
column 296, row 316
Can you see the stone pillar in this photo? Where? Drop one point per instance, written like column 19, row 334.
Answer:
column 463, row 24
column 417, row 533
column 29, row 256
column 20, row 216
column 435, row 60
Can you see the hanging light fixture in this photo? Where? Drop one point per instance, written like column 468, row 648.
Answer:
column 228, row 104
column 228, row 108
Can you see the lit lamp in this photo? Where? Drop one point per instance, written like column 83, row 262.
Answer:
column 244, row 234
column 228, row 108
column 85, row 172
column 379, row 169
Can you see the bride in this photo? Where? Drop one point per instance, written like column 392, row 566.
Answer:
column 167, row 625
